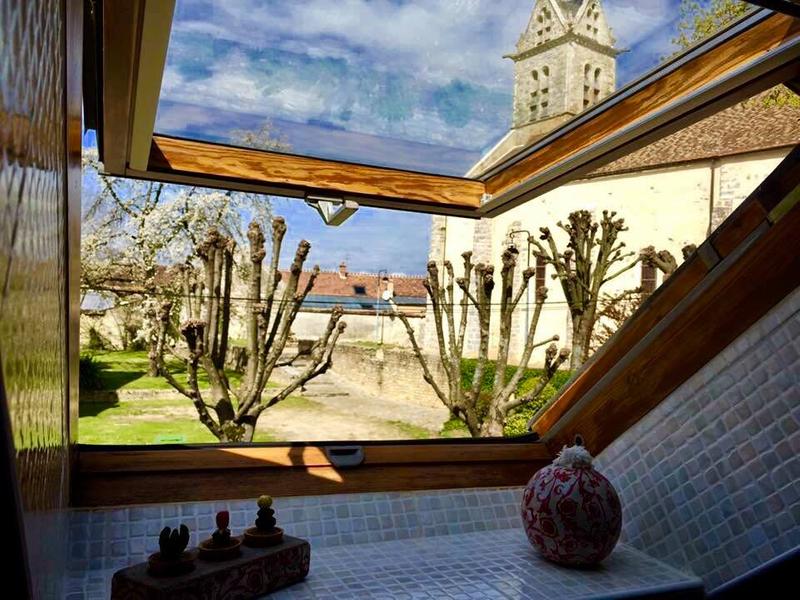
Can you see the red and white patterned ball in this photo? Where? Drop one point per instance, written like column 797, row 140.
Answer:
column 571, row 513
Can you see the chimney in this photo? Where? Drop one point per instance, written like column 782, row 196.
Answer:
column 343, row 270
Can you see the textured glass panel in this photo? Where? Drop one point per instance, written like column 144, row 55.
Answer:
column 429, row 85
column 32, row 272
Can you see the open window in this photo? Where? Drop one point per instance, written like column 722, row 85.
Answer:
column 479, row 153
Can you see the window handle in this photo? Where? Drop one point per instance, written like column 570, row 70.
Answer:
column 345, row 456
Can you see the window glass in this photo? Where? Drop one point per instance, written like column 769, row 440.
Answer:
column 427, row 85
column 177, row 286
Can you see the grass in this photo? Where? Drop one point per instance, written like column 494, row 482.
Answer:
column 128, row 371
column 411, row 431
column 145, row 422
column 150, row 421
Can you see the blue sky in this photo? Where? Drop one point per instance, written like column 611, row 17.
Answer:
column 416, row 84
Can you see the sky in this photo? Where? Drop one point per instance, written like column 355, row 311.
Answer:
column 420, row 85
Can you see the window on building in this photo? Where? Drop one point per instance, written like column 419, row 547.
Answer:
column 596, row 89
column 587, row 85
column 648, row 279
column 541, row 272
column 545, row 89
column 359, row 290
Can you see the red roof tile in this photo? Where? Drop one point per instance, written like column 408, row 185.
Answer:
column 331, row 283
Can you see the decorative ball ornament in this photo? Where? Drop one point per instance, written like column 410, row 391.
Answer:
column 571, row 513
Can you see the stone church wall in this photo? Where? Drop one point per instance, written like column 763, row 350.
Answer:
column 667, row 207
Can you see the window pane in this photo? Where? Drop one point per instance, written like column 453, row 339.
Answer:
column 149, row 265
column 430, row 86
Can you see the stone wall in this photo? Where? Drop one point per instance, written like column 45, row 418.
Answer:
column 360, row 327
column 710, row 479
column 391, row 372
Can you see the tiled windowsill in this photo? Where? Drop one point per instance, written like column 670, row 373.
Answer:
column 409, row 546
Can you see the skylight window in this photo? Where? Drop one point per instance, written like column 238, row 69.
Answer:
column 427, row 86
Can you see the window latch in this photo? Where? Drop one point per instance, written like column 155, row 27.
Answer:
column 345, row 456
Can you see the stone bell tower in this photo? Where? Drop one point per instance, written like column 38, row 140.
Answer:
column 565, row 61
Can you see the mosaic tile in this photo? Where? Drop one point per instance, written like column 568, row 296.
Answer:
column 730, row 466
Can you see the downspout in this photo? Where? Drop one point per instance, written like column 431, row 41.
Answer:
column 712, row 194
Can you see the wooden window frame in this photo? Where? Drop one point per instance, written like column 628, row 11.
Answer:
column 757, row 52
column 122, row 475
column 740, row 64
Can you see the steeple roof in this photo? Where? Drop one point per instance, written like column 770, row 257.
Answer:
column 570, row 8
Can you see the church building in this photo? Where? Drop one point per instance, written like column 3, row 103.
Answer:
column 671, row 193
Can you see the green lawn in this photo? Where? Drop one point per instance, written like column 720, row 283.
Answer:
column 144, row 422
column 128, row 371
column 147, row 421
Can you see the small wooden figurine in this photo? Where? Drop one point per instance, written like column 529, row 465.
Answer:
column 220, row 546
column 172, row 557
column 265, row 533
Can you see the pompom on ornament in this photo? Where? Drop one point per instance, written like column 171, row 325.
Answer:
column 571, row 513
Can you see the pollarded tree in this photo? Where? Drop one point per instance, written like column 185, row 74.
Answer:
column 663, row 260
column 591, row 259
column 132, row 228
column 615, row 308
column 483, row 416
column 231, row 413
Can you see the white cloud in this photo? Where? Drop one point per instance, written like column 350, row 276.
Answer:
column 431, row 42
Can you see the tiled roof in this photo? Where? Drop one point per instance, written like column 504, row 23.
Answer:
column 739, row 129
column 361, row 285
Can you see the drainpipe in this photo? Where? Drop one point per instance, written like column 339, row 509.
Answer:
column 712, row 193
column 378, row 337
column 528, row 289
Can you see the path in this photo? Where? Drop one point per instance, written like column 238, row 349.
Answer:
column 345, row 412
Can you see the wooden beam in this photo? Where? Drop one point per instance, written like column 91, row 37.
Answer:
column 733, row 231
column 205, row 163
column 152, row 54
column 121, row 27
column 119, row 476
column 115, row 489
column 790, row 7
column 761, row 51
column 220, row 457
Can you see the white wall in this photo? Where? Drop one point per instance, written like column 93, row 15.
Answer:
column 667, row 208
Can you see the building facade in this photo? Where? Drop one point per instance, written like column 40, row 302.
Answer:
column 671, row 193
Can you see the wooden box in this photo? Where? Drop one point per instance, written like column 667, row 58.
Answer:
column 256, row 572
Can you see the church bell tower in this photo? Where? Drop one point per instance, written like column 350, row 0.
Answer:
column 564, row 62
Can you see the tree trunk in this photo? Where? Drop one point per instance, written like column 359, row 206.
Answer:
column 581, row 332
column 492, row 426
column 152, row 360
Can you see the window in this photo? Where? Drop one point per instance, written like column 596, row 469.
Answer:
column 648, row 279
column 463, row 123
column 541, row 272
column 587, row 85
column 389, row 128
column 545, row 90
